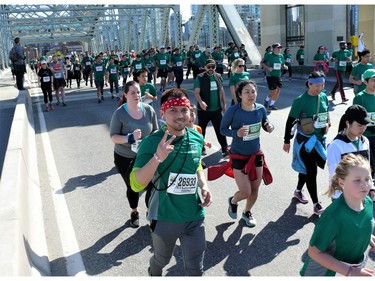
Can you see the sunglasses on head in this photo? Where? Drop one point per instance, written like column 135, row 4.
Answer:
column 211, row 66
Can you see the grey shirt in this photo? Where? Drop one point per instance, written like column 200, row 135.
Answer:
column 20, row 54
column 122, row 124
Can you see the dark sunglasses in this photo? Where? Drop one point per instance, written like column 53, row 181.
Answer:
column 211, row 66
column 241, row 65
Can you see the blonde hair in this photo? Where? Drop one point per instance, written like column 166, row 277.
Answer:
column 237, row 62
column 343, row 168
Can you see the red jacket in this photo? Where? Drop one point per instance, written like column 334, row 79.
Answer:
column 215, row 172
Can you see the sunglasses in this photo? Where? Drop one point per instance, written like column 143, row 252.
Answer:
column 210, row 66
column 241, row 65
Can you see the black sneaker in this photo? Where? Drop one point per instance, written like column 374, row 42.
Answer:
column 249, row 219
column 333, row 96
column 134, row 219
column 345, row 100
column 232, row 208
column 273, row 107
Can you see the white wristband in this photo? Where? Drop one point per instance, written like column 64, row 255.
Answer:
column 157, row 158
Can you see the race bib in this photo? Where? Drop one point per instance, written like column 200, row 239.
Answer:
column 163, row 62
column 321, row 121
column 288, row 60
column 213, row 86
column 77, row 68
column 181, row 184
column 301, row 56
column 277, row 66
column 138, row 66
column 254, row 132
column 46, row 79
column 179, row 63
column 99, row 68
column 57, row 75
column 342, row 63
column 146, row 100
column 88, row 63
column 113, row 70
column 197, row 56
column 135, row 146
column 372, row 117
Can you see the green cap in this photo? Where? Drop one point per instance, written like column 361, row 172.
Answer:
column 369, row 73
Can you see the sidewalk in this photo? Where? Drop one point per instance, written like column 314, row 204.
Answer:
column 8, row 100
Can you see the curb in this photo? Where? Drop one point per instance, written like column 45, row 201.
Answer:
column 23, row 247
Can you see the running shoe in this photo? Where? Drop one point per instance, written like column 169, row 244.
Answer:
column 225, row 154
column 333, row 96
column 265, row 104
column 134, row 219
column 232, row 208
column 63, row 104
column 249, row 219
column 273, row 107
column 318, row 209
column 299, row 195
column 345, row 100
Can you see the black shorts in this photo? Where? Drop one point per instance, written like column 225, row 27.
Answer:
column 240, row 164
column 274, row 82
column 99, row 84
column 162, row 72
column 58, row 83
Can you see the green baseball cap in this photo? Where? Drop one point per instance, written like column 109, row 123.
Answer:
column 369, row 73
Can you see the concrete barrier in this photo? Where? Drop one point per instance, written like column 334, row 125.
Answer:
column 23, row 246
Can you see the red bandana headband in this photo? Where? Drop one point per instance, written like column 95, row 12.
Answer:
column 175, row 102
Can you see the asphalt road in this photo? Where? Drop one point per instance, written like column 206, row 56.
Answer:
column 87, row 213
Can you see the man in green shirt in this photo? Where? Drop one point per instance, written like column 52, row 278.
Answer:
column 274, row 63
column 300, row 56
column 366, row 98
column 177, row 61
column 210, row 95
column 341, row 57
column 98, row 70
column 161, row 61
column 356, row 74
column 170, row 158
column 111, row 75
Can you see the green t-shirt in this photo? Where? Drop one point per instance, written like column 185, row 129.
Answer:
column 149, row 88
column 195, row 56
column 137, row 65
column 300, row 56
column 319, row 57
column 147, row 63
column 305, row 105
column 219, row 58
column 162, row 60
column 368, row 102
column 236, row 78
column 357, row 73
column 343, row 233
column 178, row 60
column 113, row 72
column 342, row 56
column 274, row 61
column 214, row 94
column 233, row 56
column 174, row 198
column 203, row 59
column 288, row 59
column 99, row 71
column 124, row 65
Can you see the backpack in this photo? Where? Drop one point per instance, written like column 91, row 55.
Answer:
column 13, row 56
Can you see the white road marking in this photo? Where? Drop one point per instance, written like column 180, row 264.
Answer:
column 71, row 251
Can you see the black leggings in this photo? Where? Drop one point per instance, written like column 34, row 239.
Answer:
column 123, row 167
column 311, row 161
